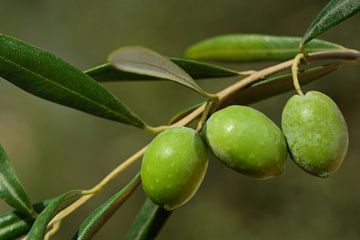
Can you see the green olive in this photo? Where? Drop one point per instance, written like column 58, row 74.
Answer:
column 173, row 167
column 316, row 133
column 245, row 140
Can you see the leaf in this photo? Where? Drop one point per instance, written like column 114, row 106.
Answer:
column 197, row 70
column 145, row 61
column 331, row 15
column 38, row 230
column 276, row 85
column 47, row 76
column 253, row 47
column 11, row 189
column 14, row 224
column 103, row 213
column 148, row 222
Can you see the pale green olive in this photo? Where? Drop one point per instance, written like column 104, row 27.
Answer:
column 245, row 140
column 316, row 133
column 173, row 167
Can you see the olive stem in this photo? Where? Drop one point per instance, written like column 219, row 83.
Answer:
column 54, row 228
column 295, row 70
column 247, row 73
column 88, row 194
column 212, row 97
column 157, row 130
column 204, row 115
column 124, row 165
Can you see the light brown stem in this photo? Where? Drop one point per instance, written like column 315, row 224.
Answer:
column 88, row 194
column 295, row 70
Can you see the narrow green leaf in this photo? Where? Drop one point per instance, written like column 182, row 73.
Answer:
column 253, row 47
column 103, row 213
column 331, row 15
column 11, row 189
column 44, row 75
column 14, row 224
column 148, row 222
column 38, row 229
column 276, row 85
column 145, row 61
column 197, row 70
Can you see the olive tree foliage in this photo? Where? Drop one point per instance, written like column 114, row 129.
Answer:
column 44, row 75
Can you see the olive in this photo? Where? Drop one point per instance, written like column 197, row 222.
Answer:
column 247, row 141
column 173, row 167
column 316, row 132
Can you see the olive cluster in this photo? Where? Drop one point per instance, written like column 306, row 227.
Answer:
column 245, row 140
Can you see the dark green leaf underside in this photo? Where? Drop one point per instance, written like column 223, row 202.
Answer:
column 14, row 224
column 11, row 189
column 103, row 213
column 332, row 14
column 197, row 70
column 44, row 75
column 253, row 47
column 148, row 222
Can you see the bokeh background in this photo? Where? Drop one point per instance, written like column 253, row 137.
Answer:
column 55, row 149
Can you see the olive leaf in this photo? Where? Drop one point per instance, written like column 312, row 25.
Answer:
column 148, row 222
column 103, row 213
column 47, row 76
column 331, row 15
column 196, row 69
column 145, row 61
column 38, row 229
column 253, row 47
column 15, row 224
column 11, row 189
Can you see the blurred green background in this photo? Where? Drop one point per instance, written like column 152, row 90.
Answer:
column 55, row 149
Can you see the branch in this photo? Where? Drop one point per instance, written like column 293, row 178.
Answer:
column 350, row 56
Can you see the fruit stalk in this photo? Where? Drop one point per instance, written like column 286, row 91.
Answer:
column 295, row 69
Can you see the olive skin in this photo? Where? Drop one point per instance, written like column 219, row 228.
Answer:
column 173, row 167
column 247, row 141
column 316, row 133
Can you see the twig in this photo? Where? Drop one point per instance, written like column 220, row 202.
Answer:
column 88, row 194
column 295, row 70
